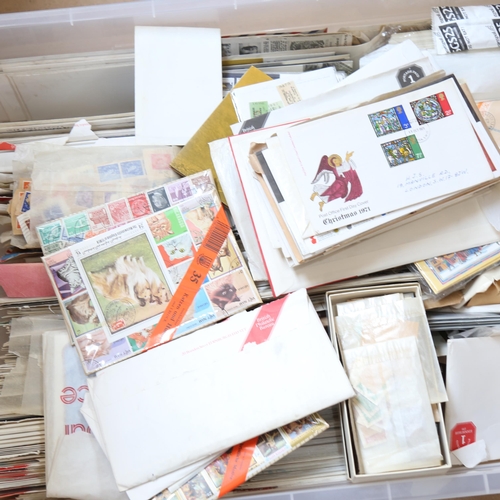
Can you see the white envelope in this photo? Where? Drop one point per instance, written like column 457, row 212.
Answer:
column 178, row 81
column 303, row 85
column 472, row 374
column 216, row 387
column 438, row 233
column 76, row 466
column 377, row 78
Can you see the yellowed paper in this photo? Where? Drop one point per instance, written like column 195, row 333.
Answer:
column 195, row 156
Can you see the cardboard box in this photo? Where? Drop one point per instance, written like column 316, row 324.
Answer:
column 352, row 468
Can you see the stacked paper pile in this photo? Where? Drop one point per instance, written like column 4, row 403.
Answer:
column 22, row 429
column 308, row 171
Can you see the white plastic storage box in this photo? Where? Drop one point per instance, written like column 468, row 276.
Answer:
column 80, row 30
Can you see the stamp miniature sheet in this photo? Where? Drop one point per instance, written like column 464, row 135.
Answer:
column 115, row 268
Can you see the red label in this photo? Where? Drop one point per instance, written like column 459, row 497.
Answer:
column 238, row 465
column 264, row 322
column 5, row 146
column 462, row 435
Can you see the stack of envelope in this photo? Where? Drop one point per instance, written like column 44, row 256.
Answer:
column 298, row 241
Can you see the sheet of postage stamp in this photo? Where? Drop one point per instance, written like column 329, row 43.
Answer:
column 116, row 267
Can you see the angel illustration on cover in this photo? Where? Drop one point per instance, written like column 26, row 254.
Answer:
column 336, row 179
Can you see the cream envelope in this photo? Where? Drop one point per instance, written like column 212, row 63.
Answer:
column 216, row 387
column 472, row 374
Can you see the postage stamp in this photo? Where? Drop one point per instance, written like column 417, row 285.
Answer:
column 199, row 214
column 97, row 351
column 53, row 211
column 76, row 224
column 50, row 233
column 177, row 250
column 85, row 197
column 26, row 201
column 127, row 281
column 161, row 161
column 403, row 150
column 431, row 108
column 271, row 442
column 158, row 199
column 139, row 205
column 82, row 314
column 120, row 211
column 258, row 108
column 299, row 427
column 108, row 173
column 180, row 190
column 65, row 274
column 71, row 239
column 229, row 292
column 199, row 313
column 203, row 183
column 133, row 168
column 197, row 488
column 166, row 225
column 217, row 469
column 227, row 260
column 178, row 271
column 389, row 121
column 99, row 218
column 93, row 346
column 289, row 93
column 137, row 340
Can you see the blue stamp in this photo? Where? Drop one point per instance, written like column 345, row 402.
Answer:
column 109, row 172
column 132, row 168
column 53, row 212
column 85, row 197
column 109, row 196
column 26, row 202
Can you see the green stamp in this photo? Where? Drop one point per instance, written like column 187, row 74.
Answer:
column 50, row 233
column 167, row 224
column 76, row 224
column 275, row 105
column 259, row 108
column 415, row 146
column 54, row 247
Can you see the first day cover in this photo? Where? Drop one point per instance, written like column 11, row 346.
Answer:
column 387, row 155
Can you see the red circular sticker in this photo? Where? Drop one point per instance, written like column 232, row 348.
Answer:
column 462, row 434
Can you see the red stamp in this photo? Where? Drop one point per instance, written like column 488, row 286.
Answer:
column 99, row 218
column 119, row 211
column 462, row 434
column 161, row 161
column 118, row 325
column 139, row 205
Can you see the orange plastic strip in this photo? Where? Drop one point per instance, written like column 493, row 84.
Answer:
column 7, row 146
column 193, row 279
column 238, row 465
